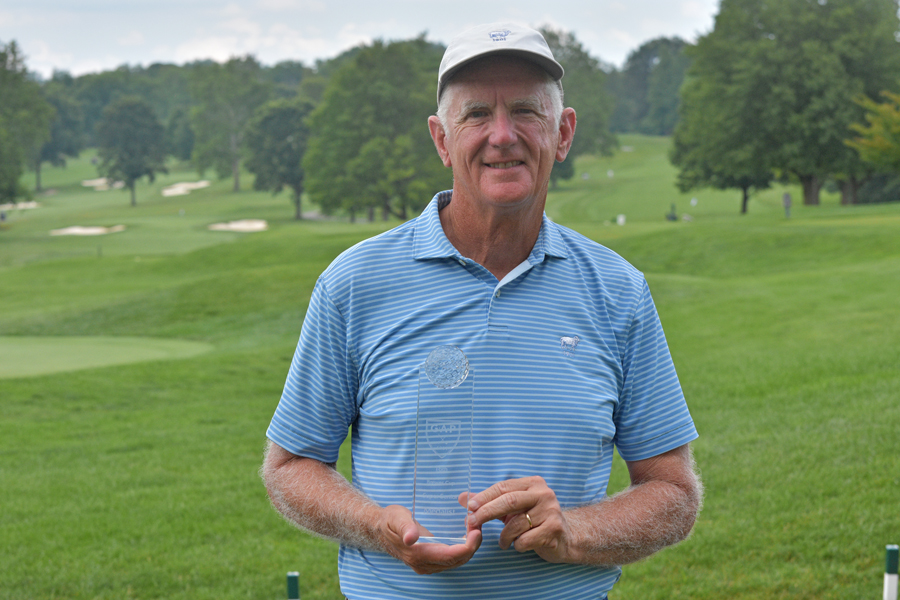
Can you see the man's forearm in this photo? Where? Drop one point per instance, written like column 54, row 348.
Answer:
column 634, row 523
column 314, row 496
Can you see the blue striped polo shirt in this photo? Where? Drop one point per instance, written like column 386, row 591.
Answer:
column 569, row 360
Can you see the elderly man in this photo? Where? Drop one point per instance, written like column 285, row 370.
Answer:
column 570, row 358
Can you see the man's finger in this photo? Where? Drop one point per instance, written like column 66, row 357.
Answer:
column 510, row 503
column 516, row 527
column 497, row 490
column 410, row 533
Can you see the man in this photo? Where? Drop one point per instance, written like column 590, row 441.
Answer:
column 563, row 336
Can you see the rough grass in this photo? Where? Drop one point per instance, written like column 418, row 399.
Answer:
column 139, row 481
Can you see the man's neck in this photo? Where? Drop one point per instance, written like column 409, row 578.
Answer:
column 498, row 240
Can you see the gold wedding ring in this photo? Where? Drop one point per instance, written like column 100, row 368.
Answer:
column 530, row 524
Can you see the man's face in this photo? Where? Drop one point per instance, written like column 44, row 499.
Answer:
column 501, row 137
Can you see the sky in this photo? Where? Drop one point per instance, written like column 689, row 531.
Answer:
column 88, row 36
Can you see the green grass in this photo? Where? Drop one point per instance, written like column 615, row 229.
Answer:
column 139, row 480
column 28, row 356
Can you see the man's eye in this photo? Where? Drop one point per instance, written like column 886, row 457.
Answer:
column 478, row 114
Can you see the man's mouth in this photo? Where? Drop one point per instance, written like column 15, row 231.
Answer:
column 505, row 165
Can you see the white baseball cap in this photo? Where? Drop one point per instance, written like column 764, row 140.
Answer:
column 504, row 38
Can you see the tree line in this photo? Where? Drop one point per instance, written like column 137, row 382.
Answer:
column 779, row 90
column 349, row 133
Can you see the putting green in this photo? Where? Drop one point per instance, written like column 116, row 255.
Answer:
column 29, row 356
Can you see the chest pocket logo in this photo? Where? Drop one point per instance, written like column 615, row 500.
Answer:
column 568, row 344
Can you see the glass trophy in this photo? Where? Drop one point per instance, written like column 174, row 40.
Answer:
column 443, row 445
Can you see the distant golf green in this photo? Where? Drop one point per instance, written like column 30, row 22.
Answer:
column 28, row 356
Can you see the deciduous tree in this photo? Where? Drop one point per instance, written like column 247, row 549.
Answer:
column 226, row 95
column 720, row 139
column 646, row 90
column 130, row 143
column 585, row 91
column 180, row 135
column 369, row 144
column 276, row 141
column 67, row 137
column 714, row 146
column 24, row 120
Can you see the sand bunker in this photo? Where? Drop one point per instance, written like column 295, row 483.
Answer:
column 79, row 230
column 19, row 205
column 102, row 184
column 245, row 225
column 183, row 189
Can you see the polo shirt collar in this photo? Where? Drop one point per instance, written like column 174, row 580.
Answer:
column 431, row 242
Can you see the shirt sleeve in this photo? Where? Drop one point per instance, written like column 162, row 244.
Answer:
column 318, row 403
column 652, row 416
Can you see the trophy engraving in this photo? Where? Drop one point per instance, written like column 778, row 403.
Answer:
column 443, row 445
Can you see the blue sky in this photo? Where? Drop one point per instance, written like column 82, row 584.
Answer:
column 98, row 35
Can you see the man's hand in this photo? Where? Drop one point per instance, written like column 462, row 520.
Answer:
column 314, row 496
column 657, row 510
column 399, row 534
column 514, row 502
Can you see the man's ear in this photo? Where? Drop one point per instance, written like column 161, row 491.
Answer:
column 440, row 139
column 566, row 134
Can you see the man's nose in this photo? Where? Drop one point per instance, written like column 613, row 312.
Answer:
column 503, row 131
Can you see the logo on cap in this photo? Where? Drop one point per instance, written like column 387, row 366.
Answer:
column 499, row 36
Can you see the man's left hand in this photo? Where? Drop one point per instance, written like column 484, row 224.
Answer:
column 533, row 517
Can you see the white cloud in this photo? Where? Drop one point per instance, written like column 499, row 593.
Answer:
column 86, row 38
column 549, row 22
column 700, row 10
column 43, row 59
column 241, row 27
column 216, row 48
column 623, row 37
column 233, row 9
column 132, row 38
column 94, row 65
column 291, row 5
column 350, row 35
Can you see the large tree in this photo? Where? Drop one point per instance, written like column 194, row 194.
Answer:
column 131, row 143
column 719, row 140
column 585, row 91
column 67, row 137
column 164, row 87
column 369, row 146
column 646, row 90
column 801, row 64
column 276, row 141
column 24, row 120
column 715, row 146
column 180, row 135
column 226, row 95
column 11, row 188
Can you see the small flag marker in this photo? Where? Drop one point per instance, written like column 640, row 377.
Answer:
column 293, row 585
column 890, row 572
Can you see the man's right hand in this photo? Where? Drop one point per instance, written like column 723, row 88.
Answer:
column 400, row 532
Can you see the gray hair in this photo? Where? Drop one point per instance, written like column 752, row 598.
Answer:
column 552, row 86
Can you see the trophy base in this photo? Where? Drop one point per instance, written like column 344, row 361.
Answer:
column 449, row 541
